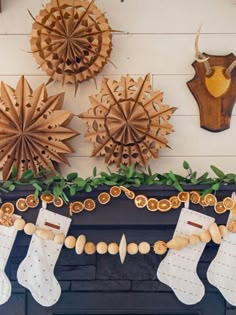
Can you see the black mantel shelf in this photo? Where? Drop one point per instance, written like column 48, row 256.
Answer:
column 99, row 284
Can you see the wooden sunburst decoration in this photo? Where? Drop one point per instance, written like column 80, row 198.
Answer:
column 71, row 40
column 33, row 129
column 128, row 121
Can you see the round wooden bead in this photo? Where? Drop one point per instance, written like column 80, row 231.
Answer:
column 144, row 248
column 29, row 228
column 132, row 249
column 19, row 224
column 177, row 243
column 90, row 248
column 205, row 236
column 101, row 248
column 223, row 230
column 113, row 249
column 194, row 239
column 232, row 226
column 70, row 242
column 80, row 243
column 59, row 239
column 215, row 233
column 45, row 234
column 160, row 247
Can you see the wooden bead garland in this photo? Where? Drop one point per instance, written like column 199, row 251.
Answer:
column 160, row 247
column 29, row 228
column 70, row 242
column 194, row 239
column 90, row 248
column 144, row 248
column 19, row 224
column 59, row 239
column 113, row 249
column 132, row 249
column 80, row 243
column 215, row 233
column 101, row 248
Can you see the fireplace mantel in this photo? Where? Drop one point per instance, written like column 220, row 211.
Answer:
column 100, row 284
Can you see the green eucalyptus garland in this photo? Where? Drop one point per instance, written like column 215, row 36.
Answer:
column 47, row 182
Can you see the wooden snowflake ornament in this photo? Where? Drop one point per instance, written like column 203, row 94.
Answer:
column 128, row 121
column 71, row 40
column 33, row 128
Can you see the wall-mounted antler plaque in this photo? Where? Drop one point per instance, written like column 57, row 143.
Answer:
column 214, row 88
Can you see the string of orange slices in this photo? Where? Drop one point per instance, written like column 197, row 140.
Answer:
column 153, row 204
column 140, row 201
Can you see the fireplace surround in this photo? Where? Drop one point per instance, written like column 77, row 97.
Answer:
column 100, row 284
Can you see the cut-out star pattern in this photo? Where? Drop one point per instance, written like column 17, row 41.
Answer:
column 128, row 122
column 33, row 129
column 71, row 40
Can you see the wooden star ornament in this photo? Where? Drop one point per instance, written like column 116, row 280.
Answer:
column 128, row 122
column 33, row 129
column 71, row 40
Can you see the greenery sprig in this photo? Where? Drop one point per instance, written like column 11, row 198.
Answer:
column 45, row 181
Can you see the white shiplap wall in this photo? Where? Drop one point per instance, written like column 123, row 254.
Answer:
column 158, row 38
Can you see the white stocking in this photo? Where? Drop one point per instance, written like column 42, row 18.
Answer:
column 222, row 270
column 178, row 268
column 7, row 239
column 36, row 272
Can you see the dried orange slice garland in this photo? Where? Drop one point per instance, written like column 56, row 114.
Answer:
column 140, row 201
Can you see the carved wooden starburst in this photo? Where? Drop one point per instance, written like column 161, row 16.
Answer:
column 71, row 40
column 128, row 121
column 33, row 128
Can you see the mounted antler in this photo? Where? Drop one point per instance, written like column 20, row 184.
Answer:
column 200, row 57
column 213, row 87
column 230, row 68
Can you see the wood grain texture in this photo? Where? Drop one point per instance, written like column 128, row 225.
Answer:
column 215, row 99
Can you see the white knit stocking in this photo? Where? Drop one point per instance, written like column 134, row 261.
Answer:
column 178, row 268
column 36, row 272
column 222, row 270
column 7, row 239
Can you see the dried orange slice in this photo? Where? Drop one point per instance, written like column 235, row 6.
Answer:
column 219, row 207
column 228, row 203
column 183, row 196
column 104, row 198
column 58, row 202
column 31, row 201
column 48, row 198
column 21, row 205
column 194, row 197
column 175, row 202
column 210, row 199
column 130, row 194
column 152, row 204
column 89, row 204
column 8, row 208
column 115, row 191
column 76, row 207
column 202, row 202
column 140, row 201
column 164, row 205
column 124, row 189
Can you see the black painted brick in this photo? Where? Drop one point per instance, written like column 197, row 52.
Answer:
column 101, row 285
column 75, row 272
column 69, row 257
column 157, row 286
column 138, row 267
